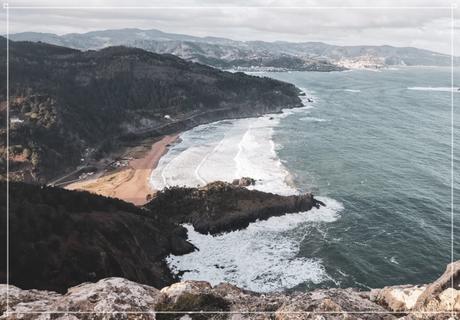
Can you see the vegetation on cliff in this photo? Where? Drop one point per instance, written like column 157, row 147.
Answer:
column 68, row 106
column 220, row 207
column 60, row 238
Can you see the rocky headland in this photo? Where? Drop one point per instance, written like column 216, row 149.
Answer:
column 60, row 238
column 118, row 298
column 222, row 207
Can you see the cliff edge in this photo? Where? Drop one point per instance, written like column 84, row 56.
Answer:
column 118, row 298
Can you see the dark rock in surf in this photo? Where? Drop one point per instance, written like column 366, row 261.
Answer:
column 244, row 182
column 223, row 207
column 318, row 203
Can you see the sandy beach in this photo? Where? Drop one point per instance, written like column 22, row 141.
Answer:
column 130, row 183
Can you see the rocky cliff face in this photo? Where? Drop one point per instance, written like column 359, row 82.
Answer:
column 117, row 298
column 68, row 106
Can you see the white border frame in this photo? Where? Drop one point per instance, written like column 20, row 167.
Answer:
column 452, row 9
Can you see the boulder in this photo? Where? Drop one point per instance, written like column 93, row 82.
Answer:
column 174, row 291
column 110, row 298
column 437, row 300
column 398, row 298
column 331, row 304
column 24, row 301
column 443, row 293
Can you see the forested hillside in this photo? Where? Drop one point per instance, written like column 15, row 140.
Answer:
column 68, row 106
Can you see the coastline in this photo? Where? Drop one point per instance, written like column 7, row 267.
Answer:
column 131, row 183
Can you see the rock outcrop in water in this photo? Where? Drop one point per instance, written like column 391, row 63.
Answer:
column 60, row 238
column 222, row 207
column 117, row 298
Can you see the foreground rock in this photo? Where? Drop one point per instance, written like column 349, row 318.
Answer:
column 441, row 295
column 117, row 298
column 222, row 207
column 105, row 298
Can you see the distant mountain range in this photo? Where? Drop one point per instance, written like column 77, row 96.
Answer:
column 247, row 55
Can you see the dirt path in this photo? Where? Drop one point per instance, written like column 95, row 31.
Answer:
column 130, row 184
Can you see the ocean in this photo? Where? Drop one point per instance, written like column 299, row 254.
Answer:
column 374, row 146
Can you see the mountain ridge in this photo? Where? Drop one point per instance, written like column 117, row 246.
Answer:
column 249, row 55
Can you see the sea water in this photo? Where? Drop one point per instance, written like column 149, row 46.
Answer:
column 374, row 146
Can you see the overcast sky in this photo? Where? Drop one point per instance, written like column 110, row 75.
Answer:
column 427, row 28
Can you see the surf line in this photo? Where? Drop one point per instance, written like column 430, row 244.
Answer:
column 165, row 183
column 240, row 150
column 197, row 169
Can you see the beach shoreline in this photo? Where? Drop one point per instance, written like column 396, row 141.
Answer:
column 132, row 182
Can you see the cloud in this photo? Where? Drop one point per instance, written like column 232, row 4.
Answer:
column 289, row 20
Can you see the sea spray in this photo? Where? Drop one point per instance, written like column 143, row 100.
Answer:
column 440, row 89
column 263, row 257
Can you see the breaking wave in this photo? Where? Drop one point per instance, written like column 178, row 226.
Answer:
column 442, row 89
column 264, row 256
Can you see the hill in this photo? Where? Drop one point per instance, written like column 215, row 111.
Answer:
column 68, row 106
column 59, row 238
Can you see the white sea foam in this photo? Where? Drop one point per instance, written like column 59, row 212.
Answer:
column 227, row 150
column 262, row 257
column 352, row 90
column 370, row 69
column 313, row 119
column 443, row 89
